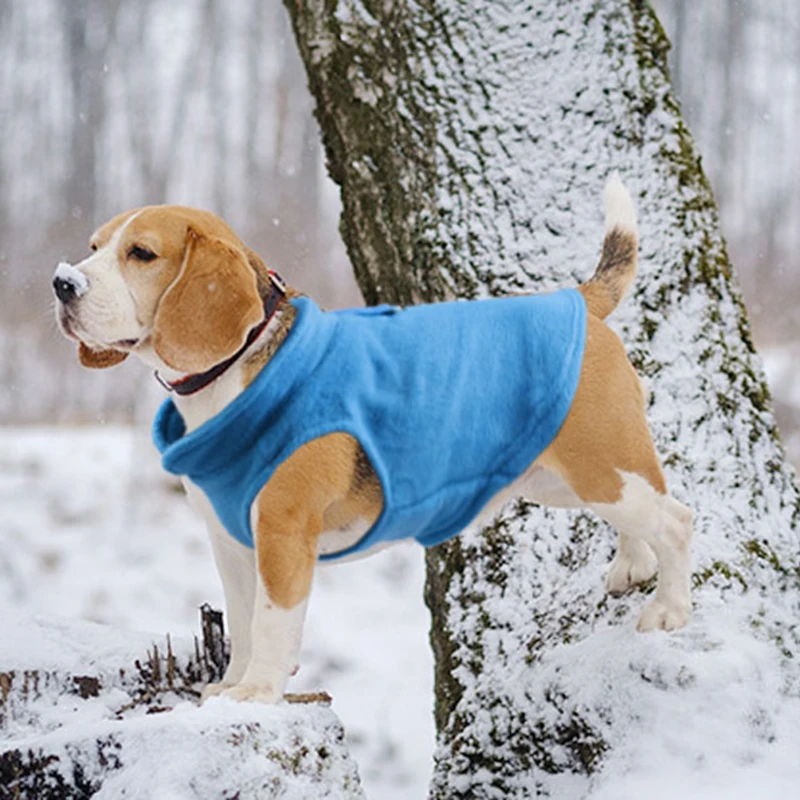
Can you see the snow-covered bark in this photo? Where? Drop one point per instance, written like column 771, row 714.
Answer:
column 83, row 713
column 471, row 141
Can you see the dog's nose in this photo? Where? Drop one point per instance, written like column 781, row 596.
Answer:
column 65, row 289
column 69, row 282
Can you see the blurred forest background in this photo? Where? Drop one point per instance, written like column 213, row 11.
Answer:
column 107, row 105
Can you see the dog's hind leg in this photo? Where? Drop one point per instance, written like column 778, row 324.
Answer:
column 658, row 522
column 605, row 453
column 655, row 530
column 634, row 563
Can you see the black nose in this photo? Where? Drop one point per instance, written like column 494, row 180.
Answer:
column 65, row 289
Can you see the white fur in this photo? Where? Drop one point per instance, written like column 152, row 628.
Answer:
column 265, row 638
column 620, row 211
column 536, row 484
column 263, row 652
column 665, row 526
column 275, row 635
column 237, row 570
column 107, row 312
column 201, row 406
column 334, row 541
column 634, row 563
column 655, row 532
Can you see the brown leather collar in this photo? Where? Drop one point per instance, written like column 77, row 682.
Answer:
column 199, row 380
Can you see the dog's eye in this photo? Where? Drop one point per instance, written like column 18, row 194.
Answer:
column 141, row 253
column 93, row 247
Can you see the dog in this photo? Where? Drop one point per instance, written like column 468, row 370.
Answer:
column 422, row 451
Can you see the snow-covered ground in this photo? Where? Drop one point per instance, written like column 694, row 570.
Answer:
column 91, row 528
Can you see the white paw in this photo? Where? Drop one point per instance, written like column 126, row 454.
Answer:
column 252, row 693
column 213, row 689
column 658, row 616
column 627, row 570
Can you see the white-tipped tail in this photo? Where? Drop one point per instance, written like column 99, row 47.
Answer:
column 620, row 211
column 617, row 266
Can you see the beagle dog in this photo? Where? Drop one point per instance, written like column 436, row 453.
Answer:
column 179, row 289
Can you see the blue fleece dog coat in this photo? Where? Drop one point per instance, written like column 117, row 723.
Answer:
column 450, row 402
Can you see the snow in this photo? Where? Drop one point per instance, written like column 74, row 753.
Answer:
column 66, row 272
column 93, row 529
column 295, row 751
column 65, row 645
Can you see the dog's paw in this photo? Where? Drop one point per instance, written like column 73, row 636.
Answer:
column 252, row 693
column 627, row 570
column 214, row 689
column 659, row 616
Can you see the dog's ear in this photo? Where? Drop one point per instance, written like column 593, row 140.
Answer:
column 206, row 313
column 99, row 359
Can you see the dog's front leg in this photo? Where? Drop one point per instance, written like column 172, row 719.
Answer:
column 236, row 567
column 286, row 537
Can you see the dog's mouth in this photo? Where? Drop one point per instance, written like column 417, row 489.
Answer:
column 68, row 328
column 66, row 324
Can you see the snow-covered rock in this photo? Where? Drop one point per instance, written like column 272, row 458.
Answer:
column 89, row 711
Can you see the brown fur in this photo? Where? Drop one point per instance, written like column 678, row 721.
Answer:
column 99, row 359
column 207, row 312
column 614, row 273
column 605, row 431
column 310, row 492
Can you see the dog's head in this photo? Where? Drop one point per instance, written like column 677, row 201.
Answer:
column 174, row 285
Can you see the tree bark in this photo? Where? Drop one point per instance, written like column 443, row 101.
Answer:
column 471, row 141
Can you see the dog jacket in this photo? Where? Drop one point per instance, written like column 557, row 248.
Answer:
column 451, row 402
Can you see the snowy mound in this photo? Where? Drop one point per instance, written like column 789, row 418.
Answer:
column 83, row 712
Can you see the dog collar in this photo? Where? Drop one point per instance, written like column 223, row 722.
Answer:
column 199, row 380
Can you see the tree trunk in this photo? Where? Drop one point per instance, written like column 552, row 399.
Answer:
column 471, row 141
column 89, row 25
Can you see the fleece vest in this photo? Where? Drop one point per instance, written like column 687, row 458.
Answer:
column 451, row 402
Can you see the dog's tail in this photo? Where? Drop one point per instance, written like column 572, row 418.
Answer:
column 617, row 267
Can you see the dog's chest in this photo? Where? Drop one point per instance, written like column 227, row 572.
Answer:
column 199, row 408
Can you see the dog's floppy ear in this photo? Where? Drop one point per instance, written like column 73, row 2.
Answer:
column 99, row 359
column 206, row 313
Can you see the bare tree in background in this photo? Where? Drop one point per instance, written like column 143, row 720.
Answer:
column 471, row 141
column 735, row 71
column 90, row 27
